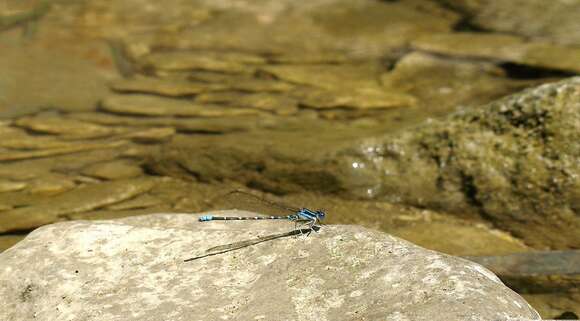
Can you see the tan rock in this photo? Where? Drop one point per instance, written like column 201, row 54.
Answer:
column 227, row 62
column 118, row 169
column 11, row 186
column 59, row 125
column 279, row 104
column 363, row 98
column 157, row 106
column 81, row 199
column 164, row 86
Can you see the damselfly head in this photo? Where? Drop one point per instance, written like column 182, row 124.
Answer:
column 320, row 214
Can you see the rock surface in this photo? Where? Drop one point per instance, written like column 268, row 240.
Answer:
column 134, row 269
column 556, row 21
column 502, row 48
column 515, row 161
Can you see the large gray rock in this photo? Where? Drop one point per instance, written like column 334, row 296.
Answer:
column 134, row 269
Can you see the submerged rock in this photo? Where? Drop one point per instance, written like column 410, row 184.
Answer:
column 117, row 169
column 440, row 84
column 183, row 124
column 163, row 86
column 276, row 103
column 134, row 268
column 370, row 97
column 514, row 162
column 85, row 198
column 147, row 105
column 499, row 47
column 555, row 21
column 57, row 125
column 69, row 148
column 226, row 61
column 11, row 186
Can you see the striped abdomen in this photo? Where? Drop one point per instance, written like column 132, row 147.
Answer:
column 206, row 218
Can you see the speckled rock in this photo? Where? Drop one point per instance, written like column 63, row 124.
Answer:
column 134, row 269
column 514, row 162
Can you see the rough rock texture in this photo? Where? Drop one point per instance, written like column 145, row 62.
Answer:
column 515, row 161
column 134, row 269
column 556, row 21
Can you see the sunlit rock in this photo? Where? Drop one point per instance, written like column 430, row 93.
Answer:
column 134, row 268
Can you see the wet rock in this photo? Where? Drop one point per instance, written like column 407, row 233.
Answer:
column 194, row 125
column 330, row 77
column 19, row 139
column 150, row 136
column 51, row 185
column 81, row 199
column 340, row 86
column 11, row 186
column 63, row 126
column 118, row 169
column 370, row 97
column 226, row 61
column 279, row 104
column 145, row 105
column 502, row 48
column 67, row 149
column 32, row 142
column 375, row 29
column 136, row 259
column 556, row 22
column 514, row 162
column 310, row 57
column 140, row 202
column 164, row 86
column 241, row 82
column 288, row 161
column 441, row 84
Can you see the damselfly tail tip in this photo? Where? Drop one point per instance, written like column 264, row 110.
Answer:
column 205, row 218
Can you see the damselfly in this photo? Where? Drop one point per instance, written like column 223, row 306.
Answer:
column 303, row 217
column 305, row 220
